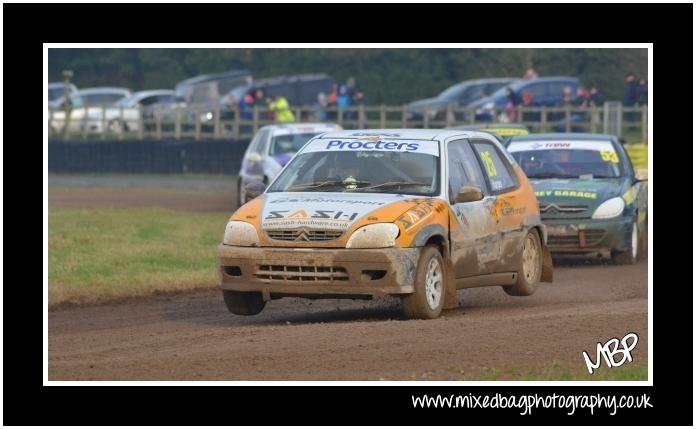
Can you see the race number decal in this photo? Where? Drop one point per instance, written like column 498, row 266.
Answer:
column 609, row 156
column 490, row 167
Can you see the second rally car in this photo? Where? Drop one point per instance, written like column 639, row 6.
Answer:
column 412, row 213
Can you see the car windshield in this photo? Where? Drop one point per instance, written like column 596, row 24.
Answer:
column 567, row 160
column 453, row 91
column 378, row 171
column 289, row 143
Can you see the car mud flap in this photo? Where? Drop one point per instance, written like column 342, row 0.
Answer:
column 546, row 266
column 451, row 296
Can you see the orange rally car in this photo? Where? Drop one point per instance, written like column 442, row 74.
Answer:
column 411, row 213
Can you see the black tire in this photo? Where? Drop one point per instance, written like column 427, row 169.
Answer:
column 418, row 305
column 243, row 303
column 631, row 256
column 528, row 275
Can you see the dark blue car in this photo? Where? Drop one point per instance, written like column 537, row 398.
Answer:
column 547, row 91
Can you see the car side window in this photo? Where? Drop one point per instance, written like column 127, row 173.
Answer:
column 463, row 168
column 497, row 169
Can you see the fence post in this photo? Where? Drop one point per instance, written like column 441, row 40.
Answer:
column 472, row 115
column 339, row 116
column 198, row 126
column 298, row 114
column 103, row 123
column 448, row 116
column 404, row 120
column 383, row 116
column 235, row 125
column 158, row 127
column 644, row 123
column 543, row 119
column 84, row 123
column 216, row 129
column 520, row 118
column 567, row 118
column 594, row 118
column 426, row 119
column 50, row 121
column 361, row 116
column 255, row 124
column 141, row 123
column 122, row 122
column 620, row 120
column 177, row 124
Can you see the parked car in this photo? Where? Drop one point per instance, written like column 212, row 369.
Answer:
column 547, row 91
column 459, row 95
column 151, row 103
column 411, row 213
column 56, row 90
column 208, row 88
column 271, row 148
column 90, row 109
column 590, row 198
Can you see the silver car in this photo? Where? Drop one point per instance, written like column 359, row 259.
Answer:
column 90, row 109
column 272, row 147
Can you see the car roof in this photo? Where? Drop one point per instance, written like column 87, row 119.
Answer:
column 488, row 125
column 150, row 92
column 302, row 126
column 520, row 83
column 213, row 76
column 563, row 136
column 405, row 134
column 59, row 85
column 102, row 89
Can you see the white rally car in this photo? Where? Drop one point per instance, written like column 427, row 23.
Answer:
column 272, row 147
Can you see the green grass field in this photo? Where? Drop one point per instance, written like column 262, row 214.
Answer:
column 556, row 371
column 100, row 254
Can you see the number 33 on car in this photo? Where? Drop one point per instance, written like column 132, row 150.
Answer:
column 417, row 214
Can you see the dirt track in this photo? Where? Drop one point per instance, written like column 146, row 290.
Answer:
column 192, row 336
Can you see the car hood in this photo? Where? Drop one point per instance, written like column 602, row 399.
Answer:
column 576, row 192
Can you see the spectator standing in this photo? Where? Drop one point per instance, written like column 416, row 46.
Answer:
column 530, row 74
column 343, row 99
column 596, row 98
column 511, row 105
column 281, row 107
column 642, row 92
column 322, row 104
column 630, row 87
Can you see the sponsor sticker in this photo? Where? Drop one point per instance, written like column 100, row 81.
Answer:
column 428, row 147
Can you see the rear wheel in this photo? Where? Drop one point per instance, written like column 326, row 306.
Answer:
column 427, row 299
column 243, row 303
column 529, row 271
column 630, row 256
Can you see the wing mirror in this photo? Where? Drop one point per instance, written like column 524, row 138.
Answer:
column 641, row 176
column 254, row 189
column 468, row 194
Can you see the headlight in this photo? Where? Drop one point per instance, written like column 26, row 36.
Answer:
column 205, row 117
column 374, row 236
column 240, row 234
column 610, row 208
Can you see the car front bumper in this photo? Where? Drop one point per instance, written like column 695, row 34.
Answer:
column 589, row 235
column 317, row 272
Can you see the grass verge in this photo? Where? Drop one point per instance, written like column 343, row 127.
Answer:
column 637, row 371
column 95, row 255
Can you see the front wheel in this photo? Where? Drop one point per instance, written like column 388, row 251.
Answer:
column 428, row 296
column 529, row 271
column 243, row 303
column 631, row 255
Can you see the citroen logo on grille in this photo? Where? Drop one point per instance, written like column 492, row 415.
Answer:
column 553, row 209
column 302, row 235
